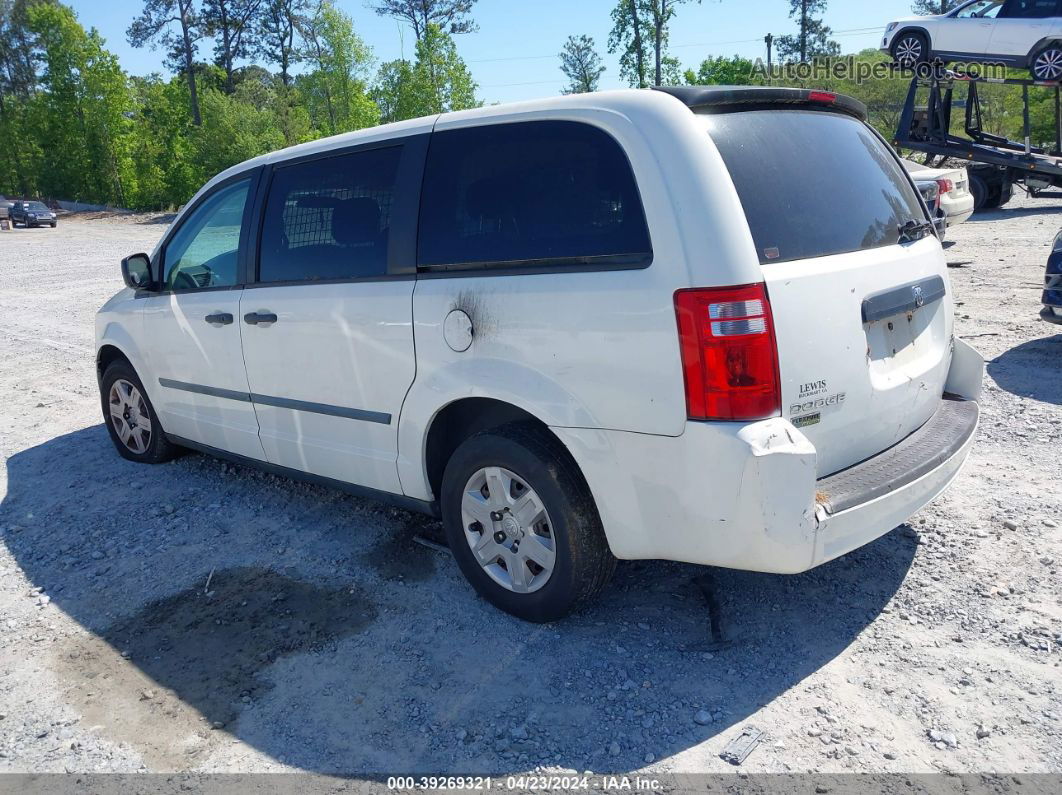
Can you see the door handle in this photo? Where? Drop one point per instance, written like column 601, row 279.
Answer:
column 254, row 318
column 220, row 319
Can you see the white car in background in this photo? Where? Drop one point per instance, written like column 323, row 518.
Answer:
column 956, row 200
column 1026, row 34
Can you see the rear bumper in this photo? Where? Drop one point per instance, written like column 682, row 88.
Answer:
column 748, row 496
column 958, row 210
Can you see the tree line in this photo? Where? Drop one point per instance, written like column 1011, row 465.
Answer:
column 251, row 76
column 74, row 125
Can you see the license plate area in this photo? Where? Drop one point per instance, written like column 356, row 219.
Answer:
column 899, row 325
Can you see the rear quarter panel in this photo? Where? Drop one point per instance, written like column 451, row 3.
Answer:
column 586, row 349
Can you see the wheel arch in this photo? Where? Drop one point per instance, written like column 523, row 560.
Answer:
column 107, row 354
column 462, row 418
column 115, row 341
column 924, row 32
column 1042, row 44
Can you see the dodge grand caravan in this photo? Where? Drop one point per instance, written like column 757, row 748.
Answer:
column 709, row 325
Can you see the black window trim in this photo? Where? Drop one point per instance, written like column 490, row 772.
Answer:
column 546, row 265
column 401, row 240
column 158, row 264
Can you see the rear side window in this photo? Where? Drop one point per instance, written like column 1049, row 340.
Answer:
column 549, row 192
column 329, row 218
column 813, row 183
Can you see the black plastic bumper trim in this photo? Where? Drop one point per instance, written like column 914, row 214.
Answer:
column 280, row 402
column 950, row 427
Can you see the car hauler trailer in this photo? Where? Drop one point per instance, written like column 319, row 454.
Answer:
column 997, row 163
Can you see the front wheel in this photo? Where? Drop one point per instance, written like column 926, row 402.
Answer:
column 522, row 524
column 1047, row 64
column 910, row 50
column 131, row 421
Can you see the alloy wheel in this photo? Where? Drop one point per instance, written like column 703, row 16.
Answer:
column 508, row 529
column 129, row 416
column 909, row 51
column 1048, row 65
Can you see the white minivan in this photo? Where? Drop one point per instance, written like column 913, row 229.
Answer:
column 709, row 325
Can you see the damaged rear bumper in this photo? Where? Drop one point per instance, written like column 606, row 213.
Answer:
column 749, row 497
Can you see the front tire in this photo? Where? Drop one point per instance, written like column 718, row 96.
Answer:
column 522, row 524
column 910, row 49
column 130, row 418
column 1047, row 64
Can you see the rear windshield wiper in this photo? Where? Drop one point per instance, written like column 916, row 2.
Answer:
column 913, row 230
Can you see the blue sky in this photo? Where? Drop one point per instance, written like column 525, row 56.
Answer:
column 514, row 54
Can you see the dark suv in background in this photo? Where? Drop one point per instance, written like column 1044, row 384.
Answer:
column 32, row 213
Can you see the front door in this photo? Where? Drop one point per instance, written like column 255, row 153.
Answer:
column 196, row 379
column 969, row 31
column 328, row 327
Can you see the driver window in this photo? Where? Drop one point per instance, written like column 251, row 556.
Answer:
column 986, row 9
column 203, row 252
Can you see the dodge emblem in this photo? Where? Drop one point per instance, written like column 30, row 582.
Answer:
column 919, row 299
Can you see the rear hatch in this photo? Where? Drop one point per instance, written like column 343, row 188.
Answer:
column 862, row 313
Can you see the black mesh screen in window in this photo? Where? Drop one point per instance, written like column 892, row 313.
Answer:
column 329, row 218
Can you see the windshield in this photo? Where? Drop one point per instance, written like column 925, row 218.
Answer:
column 37, row 207
column 813, row 183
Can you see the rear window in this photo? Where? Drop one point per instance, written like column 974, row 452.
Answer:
column 545, row 192
column 813, row 183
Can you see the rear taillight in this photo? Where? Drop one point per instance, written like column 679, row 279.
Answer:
column 729, row 356
column 946, row 186
column 825, row 97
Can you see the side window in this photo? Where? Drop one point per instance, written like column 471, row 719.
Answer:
column 533, row 192
column 329, row 218
column 987, row 9
column 204, row 251
column 1029, row 9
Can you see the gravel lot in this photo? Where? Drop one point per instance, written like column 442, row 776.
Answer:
column 199, row 616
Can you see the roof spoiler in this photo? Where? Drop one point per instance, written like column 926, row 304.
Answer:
column 726, row 98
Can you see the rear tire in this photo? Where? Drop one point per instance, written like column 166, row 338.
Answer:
column 979, row 189
column 1046, row 65
column 130, row 418
column 524, row 468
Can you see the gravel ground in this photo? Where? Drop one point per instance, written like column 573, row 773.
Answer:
column 202, row 617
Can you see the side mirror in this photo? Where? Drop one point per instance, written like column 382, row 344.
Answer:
column 136, row 271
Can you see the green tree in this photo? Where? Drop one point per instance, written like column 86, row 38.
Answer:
column 335, row 90
column 277, row 30
column 659, row 14
column 393, row 91
column 154, row 26
column 581, row 65
column 627, row 37
column 451, row 16
column 19, row 57
column 79, row 114
column 641, row 26
column 234, row 130
column 437, row 82
column 812, row 39
column 720, row 71
column 927, row 7
column 231, row 24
